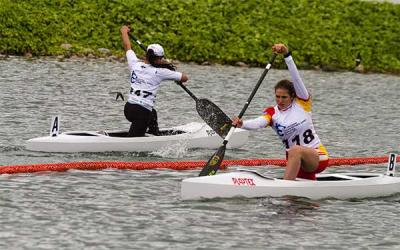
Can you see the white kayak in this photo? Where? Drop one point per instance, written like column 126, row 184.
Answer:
column 191, row 135
column 250, row 184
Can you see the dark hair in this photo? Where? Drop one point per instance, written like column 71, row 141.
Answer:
column 151, row 57
column 288, row 85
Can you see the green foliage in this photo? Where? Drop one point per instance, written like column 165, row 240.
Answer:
column 324, row 33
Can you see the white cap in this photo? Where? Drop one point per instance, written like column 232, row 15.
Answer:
column 157, row 49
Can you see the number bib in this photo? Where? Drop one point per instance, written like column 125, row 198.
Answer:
column 294, row 126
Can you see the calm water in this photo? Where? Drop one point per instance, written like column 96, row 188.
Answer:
column 355, row 115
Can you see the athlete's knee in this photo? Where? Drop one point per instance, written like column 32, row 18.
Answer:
column 295, row 150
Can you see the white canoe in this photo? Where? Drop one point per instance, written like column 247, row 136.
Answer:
column 192, row 135
column 250, row 184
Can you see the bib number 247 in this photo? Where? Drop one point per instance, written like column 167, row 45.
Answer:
column 141, row 93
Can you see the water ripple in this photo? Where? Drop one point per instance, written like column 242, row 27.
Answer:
column 355, row 115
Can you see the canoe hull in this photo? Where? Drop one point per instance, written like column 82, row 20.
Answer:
column 252, row 185
column 196, row 135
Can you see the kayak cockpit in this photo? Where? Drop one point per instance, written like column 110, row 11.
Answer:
column 81, row 133
column 322, row 177
column 344, row 177
column 167, row 132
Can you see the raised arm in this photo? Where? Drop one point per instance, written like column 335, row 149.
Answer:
column 300, row 88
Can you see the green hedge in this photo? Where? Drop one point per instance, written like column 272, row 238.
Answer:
column 325, row 33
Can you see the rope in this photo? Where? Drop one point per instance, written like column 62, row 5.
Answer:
column 177, row 165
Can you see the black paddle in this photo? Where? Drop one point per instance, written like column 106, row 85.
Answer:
column 215, row 161
column 208, row 111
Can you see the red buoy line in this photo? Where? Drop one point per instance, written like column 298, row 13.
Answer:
column 175, row 165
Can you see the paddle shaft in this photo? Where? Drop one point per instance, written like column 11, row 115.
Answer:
column 138, row 42
column 246, row 105
column 216, row 159
column 187, row 91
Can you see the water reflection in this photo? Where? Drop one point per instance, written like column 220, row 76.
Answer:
column 289, row 207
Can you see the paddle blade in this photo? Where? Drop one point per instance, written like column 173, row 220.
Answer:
column 214, row 163
column 214, row 116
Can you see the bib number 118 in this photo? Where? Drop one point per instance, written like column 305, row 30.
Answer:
column 307, row 138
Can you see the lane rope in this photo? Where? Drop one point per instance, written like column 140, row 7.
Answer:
column 175, row 165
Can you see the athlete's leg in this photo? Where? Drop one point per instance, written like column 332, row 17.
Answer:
column 153, row 124
column 138, row 127
column 300, row 157
column 139, row 118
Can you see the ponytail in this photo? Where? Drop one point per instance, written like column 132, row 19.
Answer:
column 151, row 57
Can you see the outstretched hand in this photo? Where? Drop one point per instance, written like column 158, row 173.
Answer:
column 237, row 122
column 280, row 48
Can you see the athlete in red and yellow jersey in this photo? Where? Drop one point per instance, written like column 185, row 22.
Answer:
column 291, row 119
